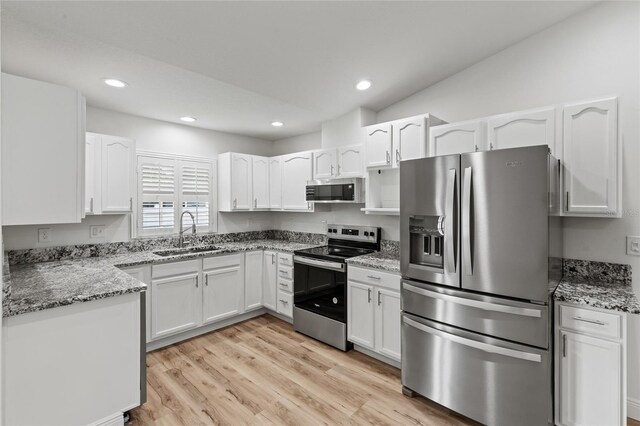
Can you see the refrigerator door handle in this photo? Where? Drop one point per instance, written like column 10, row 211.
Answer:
column 485, row 347
column 466, row 223
column 450, row 242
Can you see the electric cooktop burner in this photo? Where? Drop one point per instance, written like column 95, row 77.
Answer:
column 336, row 252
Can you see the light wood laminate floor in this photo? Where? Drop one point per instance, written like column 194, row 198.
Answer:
column 262, row 372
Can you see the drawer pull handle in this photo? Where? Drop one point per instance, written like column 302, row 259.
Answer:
column 284, row 285
column 373, row 277
column 590, row 321
column 284, row 302
column 369, row 295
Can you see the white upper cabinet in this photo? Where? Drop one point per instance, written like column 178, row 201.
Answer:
column 378, row 142
column 43, row 143
column 260, row 182
column 275, row 183
column 296, row 171
column 456, row 138
column 234, row 182
column 92, row 173
column 117, row 174
column 523, row 128
column 409, row 139
column 350, row 160
column 324, row 164
column 591, row 155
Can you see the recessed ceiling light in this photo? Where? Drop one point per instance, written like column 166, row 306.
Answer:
column 188, row 119
column 115, row 83
column 363, row 85
column 277, row 123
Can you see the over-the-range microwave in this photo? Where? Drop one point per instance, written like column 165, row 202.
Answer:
column 336, row 191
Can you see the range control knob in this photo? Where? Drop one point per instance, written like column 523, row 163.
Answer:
column 335, row 230
column 366, row 234
column 372, row 234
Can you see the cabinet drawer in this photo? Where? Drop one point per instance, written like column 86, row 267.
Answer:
column 285, row 272
column 285, row 303
column 217, row 262
column 372, row 276
column 175, row 268
column 285, row 285
column 590, row 321
column 285, row 259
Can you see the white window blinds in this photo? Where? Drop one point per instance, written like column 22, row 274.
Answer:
column 196, row 193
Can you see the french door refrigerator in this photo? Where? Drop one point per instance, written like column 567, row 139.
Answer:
column 480, row 249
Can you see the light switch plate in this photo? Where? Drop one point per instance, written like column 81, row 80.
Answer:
column 633, row 246
column 96, row 231
column 44, row 235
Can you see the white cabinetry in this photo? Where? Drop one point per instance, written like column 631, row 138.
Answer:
column 223, row 294
column 456, row 138
column 260, row 178
column 591, row 154
column 43, row 143
column 350, row 161
column 409, row 139
column 373, row 311
column 275, row 183
column 143, row 274
column 378, row 142
column 590, row 366
column 523, row 128
column 110, row 174
column 296, row 171
column 253, row 277
column 270, row 280
column 234, row 182
column 284, row 302
column 324, row 164
column 175, row 298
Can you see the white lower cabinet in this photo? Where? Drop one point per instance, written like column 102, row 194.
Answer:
column 590, row 366
column 284, row 302
column 269, row 280
column 223, row 293
column 253, row 276
column 373, row 311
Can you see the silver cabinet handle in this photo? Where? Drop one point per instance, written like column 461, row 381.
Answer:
column 475, row 148
column 284, row 285
column 284, row 302
column 206, row 280
column 373, row 277
column 369, row 295
column 324, row 264
column 338, row 174
column 466, row 223
column 379, row 301
column 449, row 222
column 486, row 347
column 332, row 170
column 235, row 203
column 131, row 203
column 255, row 203
column 590, row 321
column 398, row 156
column 564, row 345
column 91, row 204
column 388, row 158
column 196, row 281
column 273, row 258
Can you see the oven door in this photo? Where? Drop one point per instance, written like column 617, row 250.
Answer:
column 320, row 287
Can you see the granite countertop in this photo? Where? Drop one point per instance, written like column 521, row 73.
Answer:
column 615, row 296
column 384, row 261
column 38, row 286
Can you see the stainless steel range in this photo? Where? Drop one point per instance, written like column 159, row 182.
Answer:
column 320, row 283
column 479, row 247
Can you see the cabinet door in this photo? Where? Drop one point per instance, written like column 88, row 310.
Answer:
column 241, row 182
column 360, row 314
column 92, row 173
column 117, row 174
column 350, row 161
column 260, row 182
column 590, row 381
column 387, row 323
column 591, row 158
column 409, row 140
column 275, row 183
column 270, row 278
column 324, row 164
column 525, row 128
column 456, row 138
column 223, row 293
column 175, row 304
column 296, row 171
column 378, row 145
column 253, row 275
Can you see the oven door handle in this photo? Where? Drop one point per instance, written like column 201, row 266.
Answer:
column 334, row 266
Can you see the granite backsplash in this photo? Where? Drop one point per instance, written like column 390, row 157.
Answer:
column 591, row 271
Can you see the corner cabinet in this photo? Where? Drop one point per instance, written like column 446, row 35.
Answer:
column 109, row 174
column 590, row 366
column 234, row 182
column 297, row 169
column 43, row 143
column 373, row 311
column 592, row 159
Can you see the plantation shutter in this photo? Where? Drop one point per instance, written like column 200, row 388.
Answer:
column 196, row 193
column 157, row 180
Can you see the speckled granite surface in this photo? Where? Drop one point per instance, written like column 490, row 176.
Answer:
column 379, row 260
column 33, row 287
column 391, row 248
column 616, row 296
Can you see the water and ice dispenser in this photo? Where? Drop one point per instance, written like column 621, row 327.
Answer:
column 427, row 240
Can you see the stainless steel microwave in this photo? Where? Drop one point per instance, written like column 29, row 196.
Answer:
column 336, row 191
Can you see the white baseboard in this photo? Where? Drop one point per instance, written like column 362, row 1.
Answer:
column 633, row 408
column 376, row 355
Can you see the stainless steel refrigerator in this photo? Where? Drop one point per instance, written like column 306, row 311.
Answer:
column 480, row 249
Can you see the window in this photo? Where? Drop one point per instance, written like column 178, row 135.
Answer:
column 169, row 186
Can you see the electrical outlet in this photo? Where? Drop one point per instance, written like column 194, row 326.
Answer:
column 44, row 235
column 96, row 231
column 633, row 246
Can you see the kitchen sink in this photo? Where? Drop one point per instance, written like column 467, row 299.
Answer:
column 185, row 250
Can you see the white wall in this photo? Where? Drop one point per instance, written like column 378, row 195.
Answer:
column 590, row 55
column 150, row 135
column 299, row 143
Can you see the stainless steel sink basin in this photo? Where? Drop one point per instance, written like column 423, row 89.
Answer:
column 185, row 250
